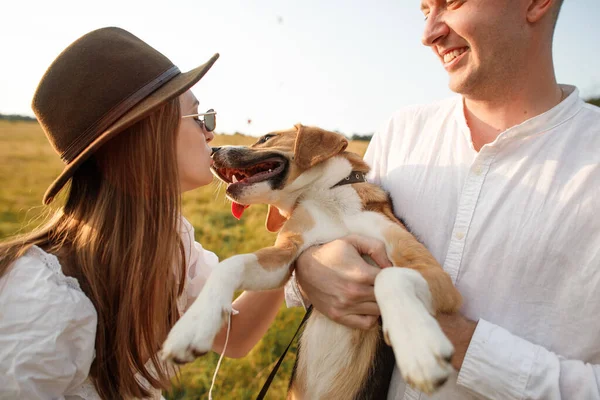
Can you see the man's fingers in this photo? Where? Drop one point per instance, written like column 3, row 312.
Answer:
column 381, row 258
column 373, row 248
column 365, row 275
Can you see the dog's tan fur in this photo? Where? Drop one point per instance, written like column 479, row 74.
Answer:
column 288, row 241
column 410, row 253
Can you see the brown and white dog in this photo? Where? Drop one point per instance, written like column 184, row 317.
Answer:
column 298, row 173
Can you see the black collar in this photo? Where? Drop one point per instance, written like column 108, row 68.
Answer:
column 354, row 177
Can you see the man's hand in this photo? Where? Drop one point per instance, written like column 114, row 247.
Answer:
column 339, row 283
column 460, row 331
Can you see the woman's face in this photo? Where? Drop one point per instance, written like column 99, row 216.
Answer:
column 193, row 151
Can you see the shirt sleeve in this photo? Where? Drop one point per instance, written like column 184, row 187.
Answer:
column 293, row 297
column 501, row 365
column 200, row 263
column 377, row 153
column 374, row 157
column 47, row 332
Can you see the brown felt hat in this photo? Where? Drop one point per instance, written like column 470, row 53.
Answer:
column 101, row 84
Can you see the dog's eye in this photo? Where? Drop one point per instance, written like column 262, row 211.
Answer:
column 265, row 138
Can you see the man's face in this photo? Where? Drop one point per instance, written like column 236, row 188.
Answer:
column 480, row 43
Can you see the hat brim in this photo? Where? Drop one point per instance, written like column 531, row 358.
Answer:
column 168, row 91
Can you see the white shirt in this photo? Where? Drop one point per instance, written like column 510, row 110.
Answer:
column 48, row 325
column 516, row 227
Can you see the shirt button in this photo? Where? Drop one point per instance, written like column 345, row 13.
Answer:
column 477, row 170
column 459, row 235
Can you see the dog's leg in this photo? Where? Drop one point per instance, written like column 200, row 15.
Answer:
column 409, row 298
column 405, row 250
column 268, row 268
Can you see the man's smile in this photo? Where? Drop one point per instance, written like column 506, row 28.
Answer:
column 452, row 56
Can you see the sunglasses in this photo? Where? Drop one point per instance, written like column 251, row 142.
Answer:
column 209, row 122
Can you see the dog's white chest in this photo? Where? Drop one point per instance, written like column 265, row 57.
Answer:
column 340, row 215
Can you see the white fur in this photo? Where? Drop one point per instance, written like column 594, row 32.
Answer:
column 197, row 328
column 422, row 350
column 327, row 348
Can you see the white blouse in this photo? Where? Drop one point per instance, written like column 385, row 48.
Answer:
column 48, row 325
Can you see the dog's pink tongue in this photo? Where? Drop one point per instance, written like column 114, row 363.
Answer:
column 238, row 209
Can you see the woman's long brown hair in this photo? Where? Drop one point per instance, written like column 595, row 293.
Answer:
column 118, row 234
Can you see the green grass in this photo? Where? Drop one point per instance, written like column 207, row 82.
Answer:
column 29, row 164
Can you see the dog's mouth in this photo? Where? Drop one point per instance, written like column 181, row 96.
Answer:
column 238, row 177
column 259, row 172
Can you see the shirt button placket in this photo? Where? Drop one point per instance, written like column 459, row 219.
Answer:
column 466, row 208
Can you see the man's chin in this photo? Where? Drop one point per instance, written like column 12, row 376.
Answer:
column 456, row 83
column 461, row 83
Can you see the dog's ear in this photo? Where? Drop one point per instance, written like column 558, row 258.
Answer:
column 314, row 145
column 274, row 219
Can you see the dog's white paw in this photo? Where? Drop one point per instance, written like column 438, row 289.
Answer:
column 193, row 335
column 422, row 350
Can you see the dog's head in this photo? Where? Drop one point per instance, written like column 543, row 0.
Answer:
column 273, row 168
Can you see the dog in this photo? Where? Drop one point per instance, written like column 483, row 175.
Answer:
column 301, row 173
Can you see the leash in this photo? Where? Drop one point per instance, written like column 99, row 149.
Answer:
column 214, row 378
column 267, row 383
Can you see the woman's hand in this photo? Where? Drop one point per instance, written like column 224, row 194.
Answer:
column 339, row 282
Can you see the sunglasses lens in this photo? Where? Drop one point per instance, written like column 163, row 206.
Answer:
column 210, row 121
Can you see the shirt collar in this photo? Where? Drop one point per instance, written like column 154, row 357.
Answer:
column 539, row 124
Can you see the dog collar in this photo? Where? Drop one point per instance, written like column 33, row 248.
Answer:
column 354, row 177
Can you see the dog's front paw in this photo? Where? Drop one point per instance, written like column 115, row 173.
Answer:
column 422, row 350
column 193, row 335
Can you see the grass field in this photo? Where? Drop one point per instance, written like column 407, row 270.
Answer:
column 28, row 165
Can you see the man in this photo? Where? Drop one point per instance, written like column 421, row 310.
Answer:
column 502, row 185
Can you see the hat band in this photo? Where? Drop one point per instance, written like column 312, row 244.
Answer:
column 87, row 137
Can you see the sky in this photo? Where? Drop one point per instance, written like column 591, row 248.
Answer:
column 343, row 65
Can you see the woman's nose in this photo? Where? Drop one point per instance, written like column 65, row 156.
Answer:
column 208, row 135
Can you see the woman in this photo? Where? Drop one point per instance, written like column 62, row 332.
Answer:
column 87, row 300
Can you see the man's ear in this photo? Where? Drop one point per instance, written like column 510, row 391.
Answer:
column 314, row 145
column 274, row 220
column 539, row 8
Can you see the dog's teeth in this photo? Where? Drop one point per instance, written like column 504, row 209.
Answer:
column 234, row 179
column 270, row 170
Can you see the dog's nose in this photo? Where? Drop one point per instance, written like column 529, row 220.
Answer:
column 214, row 150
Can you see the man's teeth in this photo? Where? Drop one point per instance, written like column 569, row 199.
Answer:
column 234, row 179
column 453, row 54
